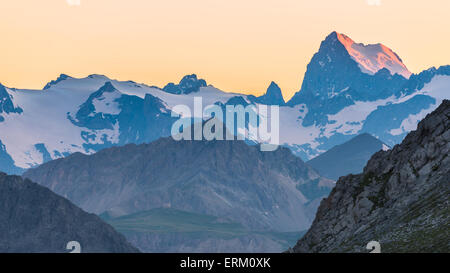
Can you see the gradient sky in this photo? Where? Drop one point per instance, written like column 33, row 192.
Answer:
column 236, row 45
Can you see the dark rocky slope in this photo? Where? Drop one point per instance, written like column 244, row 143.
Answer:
column 34, row 219
column 401, row 199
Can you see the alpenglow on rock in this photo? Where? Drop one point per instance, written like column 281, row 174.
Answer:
column 400, row 200
column 373, row 58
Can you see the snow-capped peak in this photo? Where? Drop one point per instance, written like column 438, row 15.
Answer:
column 374, row 57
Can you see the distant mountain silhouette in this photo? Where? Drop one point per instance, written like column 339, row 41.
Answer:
column 347, row 158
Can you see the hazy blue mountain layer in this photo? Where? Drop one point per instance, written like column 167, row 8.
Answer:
column 347, row 158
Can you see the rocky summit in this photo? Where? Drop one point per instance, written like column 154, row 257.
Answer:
column 400, row 200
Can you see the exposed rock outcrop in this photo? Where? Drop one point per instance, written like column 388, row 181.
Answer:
column 400, row 200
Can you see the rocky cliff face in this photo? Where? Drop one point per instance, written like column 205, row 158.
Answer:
column 401, row 198
column 34, row 219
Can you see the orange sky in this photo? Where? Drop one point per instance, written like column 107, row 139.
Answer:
column 236, row 45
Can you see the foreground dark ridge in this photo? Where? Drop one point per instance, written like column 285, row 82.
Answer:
column 401, row 198
column 35, row 220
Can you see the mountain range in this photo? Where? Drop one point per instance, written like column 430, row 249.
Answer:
column 400, row 199
column 347, row 90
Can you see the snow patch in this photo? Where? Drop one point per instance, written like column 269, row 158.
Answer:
column 350, row 120
column 107, row 103
column 291, row 129
column 410, row 123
